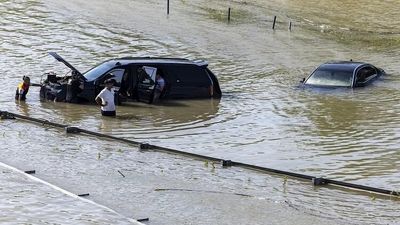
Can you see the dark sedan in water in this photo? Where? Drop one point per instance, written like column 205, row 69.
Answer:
column 343, row 74
column 135, row 80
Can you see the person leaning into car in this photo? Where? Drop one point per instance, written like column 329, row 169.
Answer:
column 22, row 89
column 106, row 99
column 160, row 85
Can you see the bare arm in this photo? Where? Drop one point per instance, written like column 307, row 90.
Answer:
column 99, row 101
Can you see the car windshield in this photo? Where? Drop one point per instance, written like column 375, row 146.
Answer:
column 331, row 78
column 97, row 71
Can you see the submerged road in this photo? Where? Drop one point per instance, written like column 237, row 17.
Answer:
column 167, row 189
column 263, row 117
column 29, row 200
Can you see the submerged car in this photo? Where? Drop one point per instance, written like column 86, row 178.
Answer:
column 135, row 80
column 343, row 74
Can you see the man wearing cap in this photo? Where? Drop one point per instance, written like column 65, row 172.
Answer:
column 106, row 99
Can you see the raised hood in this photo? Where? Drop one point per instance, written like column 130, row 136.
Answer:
column 60, row 59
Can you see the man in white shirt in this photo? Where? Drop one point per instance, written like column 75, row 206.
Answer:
column 106, row 99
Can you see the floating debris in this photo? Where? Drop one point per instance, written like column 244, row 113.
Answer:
column 121, row 173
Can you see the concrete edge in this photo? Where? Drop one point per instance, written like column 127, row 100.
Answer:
column 70, row 194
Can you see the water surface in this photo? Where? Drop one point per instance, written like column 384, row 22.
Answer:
column 263, row 118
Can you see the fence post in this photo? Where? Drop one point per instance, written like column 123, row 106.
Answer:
column 167, row 7
column 229, row 14
column 273, row 25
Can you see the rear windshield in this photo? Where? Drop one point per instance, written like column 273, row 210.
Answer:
column 331, row 78
column 97, row 71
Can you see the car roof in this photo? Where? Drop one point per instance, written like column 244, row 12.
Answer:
column 153, row 60
column 348, row 66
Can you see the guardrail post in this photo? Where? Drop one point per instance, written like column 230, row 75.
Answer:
column 144, row 146
column 72, row 130
column 317, row 181
column 226, row 163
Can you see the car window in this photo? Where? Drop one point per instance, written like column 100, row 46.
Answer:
column 151, row 72
column 331, row 78
column 97, row 71
column 118, row 74
column 365, row 73
column 145, row 75
column 190, row 75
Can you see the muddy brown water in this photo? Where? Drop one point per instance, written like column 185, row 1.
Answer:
column 263, row 118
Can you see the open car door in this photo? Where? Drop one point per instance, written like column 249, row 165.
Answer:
column 146, row 83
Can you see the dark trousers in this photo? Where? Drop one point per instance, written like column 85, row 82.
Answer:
column 108, row 113
column 156, row 96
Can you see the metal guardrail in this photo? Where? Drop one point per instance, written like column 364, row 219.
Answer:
column 317, row 181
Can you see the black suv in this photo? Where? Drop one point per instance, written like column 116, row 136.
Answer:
column 135, row 80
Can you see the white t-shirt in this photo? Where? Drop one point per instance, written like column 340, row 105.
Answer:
column 160, row 84
column 107, row 96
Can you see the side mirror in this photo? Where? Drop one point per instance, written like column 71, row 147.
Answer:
column 302, row 81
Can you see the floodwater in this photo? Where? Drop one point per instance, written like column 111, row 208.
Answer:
column 28, row 201
column 263, row 118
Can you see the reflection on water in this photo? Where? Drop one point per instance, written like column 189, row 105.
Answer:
column 23, row 108
column 263, row 117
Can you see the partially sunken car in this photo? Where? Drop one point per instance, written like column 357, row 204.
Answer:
column 343, row 74
column 135, row 80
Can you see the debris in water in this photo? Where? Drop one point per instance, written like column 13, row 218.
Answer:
column 83, row 195
column 121, row 173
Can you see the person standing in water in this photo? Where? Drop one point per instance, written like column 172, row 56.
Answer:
column 160, row 85
column 106, row 99
column 22, row 89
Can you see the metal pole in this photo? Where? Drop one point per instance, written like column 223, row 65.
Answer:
column 229, row 15
column 167, row 7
